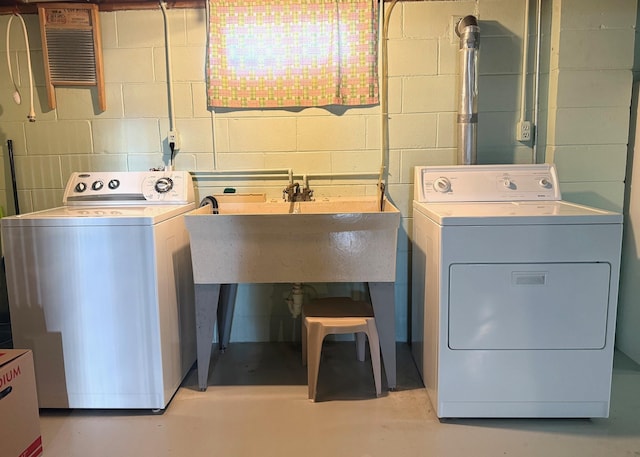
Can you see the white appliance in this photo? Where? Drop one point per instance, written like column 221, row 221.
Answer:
column 514, row 294
column 101, row 289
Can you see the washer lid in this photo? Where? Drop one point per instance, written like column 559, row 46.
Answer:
column 514, row 213
column 67, row 216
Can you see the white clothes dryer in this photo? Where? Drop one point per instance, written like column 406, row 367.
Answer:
column 514, row 294
column 101, row 289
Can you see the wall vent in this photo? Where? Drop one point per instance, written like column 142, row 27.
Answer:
column 71, row 47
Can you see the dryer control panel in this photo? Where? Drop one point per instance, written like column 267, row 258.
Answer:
column 486, row 183
column 129, row 188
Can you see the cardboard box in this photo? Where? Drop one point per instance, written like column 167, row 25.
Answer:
column 19, row 417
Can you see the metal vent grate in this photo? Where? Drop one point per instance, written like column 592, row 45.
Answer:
column 71, row 56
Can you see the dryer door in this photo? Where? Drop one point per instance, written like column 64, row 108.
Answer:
column 528, row 306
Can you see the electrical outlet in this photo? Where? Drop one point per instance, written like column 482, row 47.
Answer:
column 524, row 131
column 174, row 137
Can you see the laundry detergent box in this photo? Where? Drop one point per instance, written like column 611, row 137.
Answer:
column 19, row 418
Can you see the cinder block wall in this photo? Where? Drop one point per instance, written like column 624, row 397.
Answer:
column 131, row 133
column 590, row 80
column 627, row 335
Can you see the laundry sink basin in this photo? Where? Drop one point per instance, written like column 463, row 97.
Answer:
column 328, row 240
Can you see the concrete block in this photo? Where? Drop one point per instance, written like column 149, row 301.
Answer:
column 593, row 88
column 186, row 63
column 326, row 133
column 433, row 19
column 608, row 195
column 596, row 14
column 447, row 130
column 413, row 130
column 499, row 93
column 196, row 24
column 195, row 134
column 409, row 57
column 589, row 163
column 39, row 172
column 221, row 135
column 496, row 129
column 82, row 102
column 13, row 131
column 144, row 161
column 198, row 100
column 262, row 134
column 499, row 55
column 373, row 136
column 447, row 57
column 590, row 126
column 300, row 162
column 395, row 88
column 59, row 138
column 42, row 199
column 355, row 161
column 426, row 94
column 131, row 33
column 240, row 161
column 204, row 161
column 501, row 18
column 108, row 30
column 75, row 162
column 108, row 162
column 118, row 68
column 504, row 155
column 117, row 136
column 145, row 100
column 411, row 158
column 595, row 49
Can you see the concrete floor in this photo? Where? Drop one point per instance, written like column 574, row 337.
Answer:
column 257, row 405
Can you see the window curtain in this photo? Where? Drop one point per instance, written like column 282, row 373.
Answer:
column 292, row 53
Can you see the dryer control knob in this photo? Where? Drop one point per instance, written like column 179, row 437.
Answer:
column 97, row 185
column 544, row 182
column 114, row 184
column 164, row 185
column 80, row 187
column 507, row 183
column 442, row 184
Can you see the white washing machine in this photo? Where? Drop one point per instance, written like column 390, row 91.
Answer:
column 514, row 294
column 101, row 289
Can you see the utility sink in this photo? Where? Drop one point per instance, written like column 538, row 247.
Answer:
column 328, row 240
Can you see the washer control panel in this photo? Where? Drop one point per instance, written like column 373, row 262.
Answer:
column 486, row 183
column 129, row 188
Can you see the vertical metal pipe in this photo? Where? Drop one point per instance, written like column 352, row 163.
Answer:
column 536, row 82
column 14, row 184
column 469, row 33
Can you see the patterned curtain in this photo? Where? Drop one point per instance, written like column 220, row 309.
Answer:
column 292, row 53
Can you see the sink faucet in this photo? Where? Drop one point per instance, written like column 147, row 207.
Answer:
column 293, row 193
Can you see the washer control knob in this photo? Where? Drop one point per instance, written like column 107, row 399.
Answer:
column 442, row 184
column 544, row 182
column 508, row 184
column 164, row 185
column 97, row 185
column 80, row 187
column 114, row 184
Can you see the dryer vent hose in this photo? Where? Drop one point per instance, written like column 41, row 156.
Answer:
column 210, row 200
